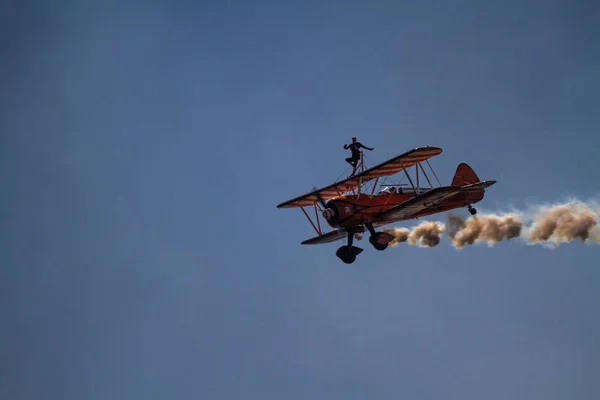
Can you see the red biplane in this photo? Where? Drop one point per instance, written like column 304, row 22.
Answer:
column 349, row 206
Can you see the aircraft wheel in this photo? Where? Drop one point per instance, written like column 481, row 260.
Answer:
column 348, row 259
column 472, row 210
column 348, row 254
column 374, row 240
column 380, row 247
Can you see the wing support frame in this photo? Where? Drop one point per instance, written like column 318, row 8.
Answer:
column 417, row 173
column 436, row 178
column 374, row 186
column 425, row 174
column 317, row 218
column 408, row 176
column 318, row 230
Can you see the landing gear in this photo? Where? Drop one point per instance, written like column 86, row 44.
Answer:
column 348, row 253
column 379, row 240
column 472, row 210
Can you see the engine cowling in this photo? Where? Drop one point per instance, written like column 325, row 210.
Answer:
column 328, row 213
column 336, row 211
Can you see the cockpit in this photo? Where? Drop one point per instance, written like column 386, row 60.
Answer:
column 388, row 190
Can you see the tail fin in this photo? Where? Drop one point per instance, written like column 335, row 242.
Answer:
column 464, row 176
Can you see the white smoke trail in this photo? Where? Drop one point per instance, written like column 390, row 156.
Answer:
column 490, row 229
column 564, row 223
column 548, row 225
column 400, row 235
column 426, row 234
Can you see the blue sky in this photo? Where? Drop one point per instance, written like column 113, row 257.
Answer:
column 145, row 147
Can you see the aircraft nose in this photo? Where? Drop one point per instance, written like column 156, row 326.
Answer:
column 328, row 213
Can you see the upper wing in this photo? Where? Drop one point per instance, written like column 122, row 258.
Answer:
column 416, row 204
column 389, row 167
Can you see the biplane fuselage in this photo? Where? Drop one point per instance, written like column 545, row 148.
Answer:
column 352, row 210
column 349, row 208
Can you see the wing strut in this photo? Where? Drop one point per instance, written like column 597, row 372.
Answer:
column 436, row 178
column 359, row 186
column 310, row 220
column 374, row 186
column 408, row 176
column 317, row 218
column 424, row 173
column 418, row 187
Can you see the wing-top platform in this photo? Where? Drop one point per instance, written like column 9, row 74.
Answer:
column 389, row 167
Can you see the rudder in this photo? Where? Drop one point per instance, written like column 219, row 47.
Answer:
column 464, row 175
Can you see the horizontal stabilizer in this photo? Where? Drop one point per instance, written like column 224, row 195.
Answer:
column 477, row 186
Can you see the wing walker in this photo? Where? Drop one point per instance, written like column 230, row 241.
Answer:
column 351, row 206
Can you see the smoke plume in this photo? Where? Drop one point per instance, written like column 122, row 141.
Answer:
column 400, row 235
column 564, row 224
column 426, row 234
column 542, row 225
column 490, row 229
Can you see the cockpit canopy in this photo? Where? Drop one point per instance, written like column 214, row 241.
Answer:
column 388, row 190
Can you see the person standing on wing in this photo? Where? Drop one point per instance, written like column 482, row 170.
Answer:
column 355, row 148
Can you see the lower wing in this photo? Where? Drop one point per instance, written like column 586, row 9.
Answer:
column 332, row 236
